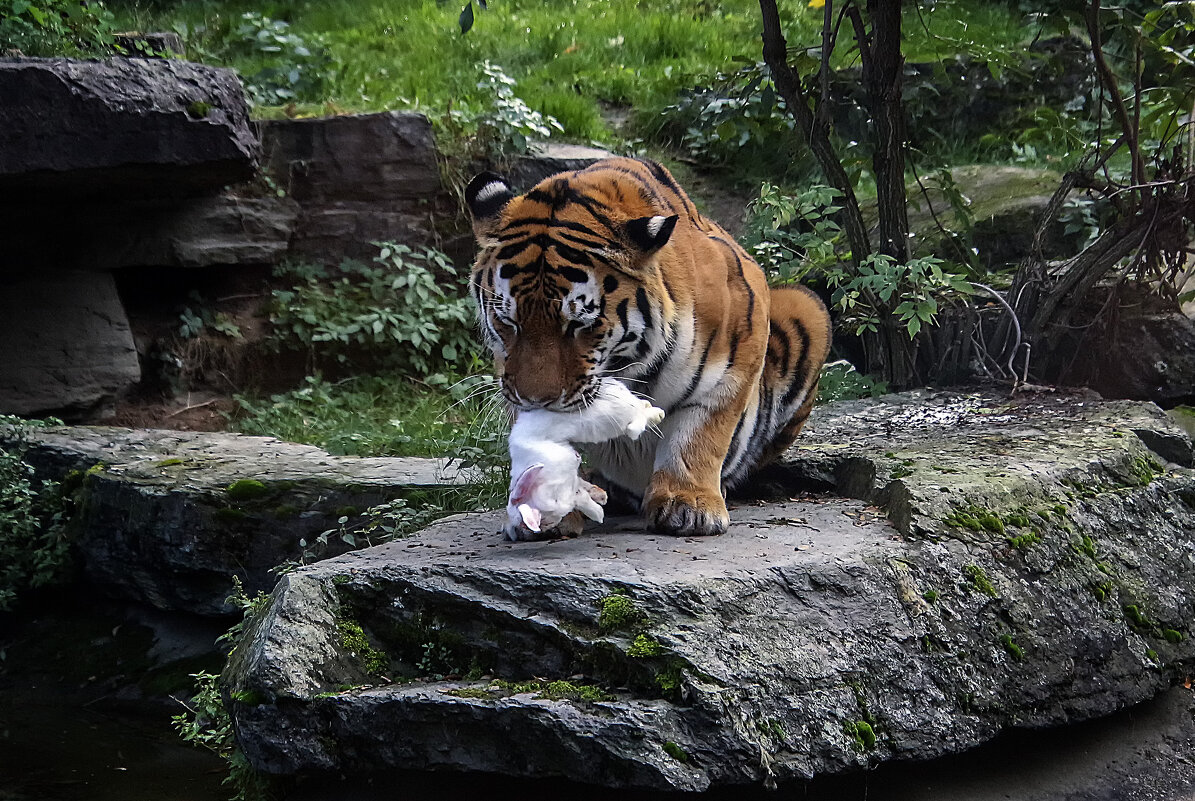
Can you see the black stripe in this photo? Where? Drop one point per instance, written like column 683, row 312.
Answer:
column 644, row 306
column 621, row 311
column 573, row 255
column 698, row 372
column 802, row 370
column 573, row 274
column 782, row 337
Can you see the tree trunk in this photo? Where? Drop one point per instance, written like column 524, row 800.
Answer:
column 813, row 127
column 882, row 76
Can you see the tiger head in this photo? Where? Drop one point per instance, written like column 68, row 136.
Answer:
column 568, row 283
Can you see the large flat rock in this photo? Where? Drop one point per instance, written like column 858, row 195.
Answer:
column 121, row 127
column 65, row 344
column 1007, row 563
column 171, row 518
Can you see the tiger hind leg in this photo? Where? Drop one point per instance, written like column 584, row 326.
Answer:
column 798, row 344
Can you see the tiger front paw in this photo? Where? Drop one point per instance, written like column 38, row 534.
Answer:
column 686, row 511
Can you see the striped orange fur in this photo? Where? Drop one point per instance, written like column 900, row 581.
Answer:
column 611, row 271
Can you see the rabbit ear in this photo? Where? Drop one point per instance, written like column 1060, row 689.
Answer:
column 531, row 516
column 525, row 484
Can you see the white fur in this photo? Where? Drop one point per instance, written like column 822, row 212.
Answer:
column 544, row 484
column 489, row 190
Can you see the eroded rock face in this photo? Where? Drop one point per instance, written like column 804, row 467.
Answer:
column 65, row 344
column 1009, row 563
column 358, row 178
column 169, row 518
column 121, row 127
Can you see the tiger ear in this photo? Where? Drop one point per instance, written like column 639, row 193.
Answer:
column 649, row 234
column 487, row 195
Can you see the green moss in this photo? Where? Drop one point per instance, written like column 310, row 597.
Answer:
column 198, row 109
column 1142, row 471
column 670, row 680
column 676, row 752
column 1136, row 617
column 619, row 613
column 976, row 519
column 1172, row 636
column 566, row 690
column 353, row 638
column 347, row 511
column 1151, row 654
column 169, row 463
column 342, row 578
column 1102, row 590
column 1018, row 519
column 980, row 581
column 645, row 646
column 285, row 511
column 1016, row 651
column 900, row 472
column 1024, row 540
column 930, row 596
column 772, row 728
column 862, row 733
column 249, row 697
column 472, row 692
column 246, row 489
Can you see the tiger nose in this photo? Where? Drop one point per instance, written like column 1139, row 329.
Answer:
column 542, row 397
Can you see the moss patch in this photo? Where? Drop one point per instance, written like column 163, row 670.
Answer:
column 980, row 580
column 353, row 639
column 246, row 489
column 862, row 733
column 619, row 613
column 1014, row 650
column 645, row 646
column 976, row 519
column 676, row 752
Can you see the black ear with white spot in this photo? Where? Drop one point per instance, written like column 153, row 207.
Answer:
column 486, row 196
column 649, row 234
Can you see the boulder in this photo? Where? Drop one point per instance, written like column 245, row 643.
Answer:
column 358, row 178
column 225, row 229
column 982, row 564
column 121, row 127
column 548, row 158
column 170, row 519
column 65, row 344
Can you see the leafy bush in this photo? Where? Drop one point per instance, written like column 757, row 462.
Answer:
column 291, row 68
column 792, row 236
column 56, row 27
column 33, row 543
column 405, row 311
column 913, row 291
column 841, row 381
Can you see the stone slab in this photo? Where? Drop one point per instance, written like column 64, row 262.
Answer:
column 1023, row 562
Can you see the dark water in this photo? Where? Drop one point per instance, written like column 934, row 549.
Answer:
column 85, row 707
column 85, row 704
column 57, row 753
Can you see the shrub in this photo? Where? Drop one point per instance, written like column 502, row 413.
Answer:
column 406, row 311
column 33, row 543
column 55, row 27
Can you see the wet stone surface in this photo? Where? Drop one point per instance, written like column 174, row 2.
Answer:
column 994, row 564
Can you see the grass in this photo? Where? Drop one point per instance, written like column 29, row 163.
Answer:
column 381, row 416
column 569, row 58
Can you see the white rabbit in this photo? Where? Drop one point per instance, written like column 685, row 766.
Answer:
column 544, row 485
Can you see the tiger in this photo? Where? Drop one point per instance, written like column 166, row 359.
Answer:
column 610, row 271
